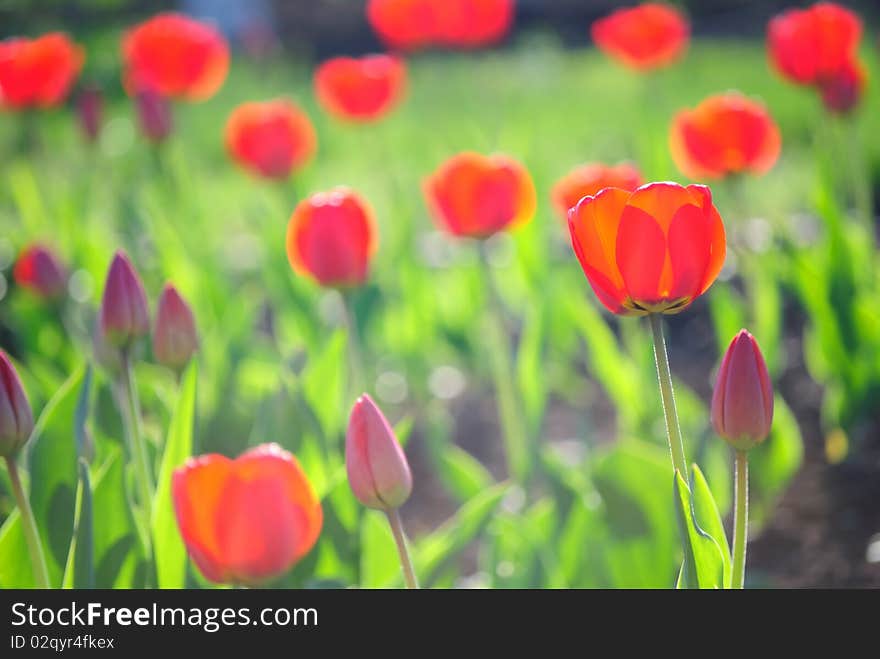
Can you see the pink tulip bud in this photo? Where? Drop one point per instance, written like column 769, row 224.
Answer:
column 124, row 312
column 154, row 112
column 40, row 271
column 174, row 340
column 378, row 472
column 90, row 108
column 742, row 404
column 16, row 417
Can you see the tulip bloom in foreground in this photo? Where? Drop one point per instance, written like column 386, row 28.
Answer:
column 360, row 89
column 175, row 339
column 653, row 250
column 247, row 520
column 38, row 73
column 742, row 403
column 331, row 238
column 475, row 196
column 378, row 471
column 16, row 417
column 124, row 313
column 39, row 270
column 588, row 180
column 645, row 37
column 271, row 138
column 175, row 56
column 725, row 134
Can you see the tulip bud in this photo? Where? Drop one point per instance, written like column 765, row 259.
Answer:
column 124, row 312
column 842, row 91
column 154, row 113
column 39, row 270
column 90, row 108
column 378, row 472
column 174, row 339
column 16, row 417
column 742, row 404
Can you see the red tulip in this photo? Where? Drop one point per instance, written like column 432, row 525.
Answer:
column 588, row 180
column 378, row 471
column 40, row 271
column 809, row 46
column 645, row 37
column 403, row 24
column 90, row 108
column 154, row 114
column 175, row 56
column 38, row 72
column 724, row 134
column 16, row 416
column 331, row 237
column 247, row 520
column 650, row 251
column 742, row 403
column 472, row 23
column 175, row 339
column 124, row 314
column 843, row 91
column 361, row 89
column 271, row 138
column 475, row 195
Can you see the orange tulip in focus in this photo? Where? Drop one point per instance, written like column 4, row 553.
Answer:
column 360, row 89
column 725, row 134
column 38, row 73
column 645, row 37
column 650, row 251
column 175, row 56
column 588, row 180
column 271, row 138
column 247, row 520
column 331, row 238
column 476, row 196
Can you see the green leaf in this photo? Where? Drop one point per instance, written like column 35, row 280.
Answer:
column 117, row 546
column 80, row 570
column 168, row 549
column 703, row 562
column 530, row 365
column 709, row 519
column 773, row 463
column 15, row 560
column 380, row 564
column 324, row 384
column 463, row 473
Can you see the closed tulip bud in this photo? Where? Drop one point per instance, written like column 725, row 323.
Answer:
column 378, row 472
column 742, row 404
column 174, row 339
column 40, row 271
column 90, row 108
column 16, row 418
column 154, row 113
column 124, row 315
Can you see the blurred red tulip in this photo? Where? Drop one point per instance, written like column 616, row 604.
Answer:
column 16, row 416
column 363, row 89
column 809, row 46
column 403, row 24
column 588, row 180
column 476, row 196
column 378, row 471
column 90, row 110
column 271, row 138
column 38, row 73
column 725, row 134
column 742, row 403
column 247, row 520
column 39, row 270
column 331, row 237
column 154, row 115
column 124, row 313
column 645, row 37
column 843, row 91
column 175, row 339
column 175, row 56
column 650, row 251
column 472, row 23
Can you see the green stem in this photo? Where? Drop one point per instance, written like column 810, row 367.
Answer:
column 861, row 183
column 409, row 574
column 35, row 547
column 667, row 396
column 740, row 519
column 355, row 351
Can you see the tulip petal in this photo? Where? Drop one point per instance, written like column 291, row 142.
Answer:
column 718, row 239
column 689, row 240
column 744, row 406
column 641, row 255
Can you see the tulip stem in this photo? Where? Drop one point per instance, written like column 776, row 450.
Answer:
column 667, row 396
column 29, row 524
column 355, row 352
column 740, row 519
column 409, row 574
